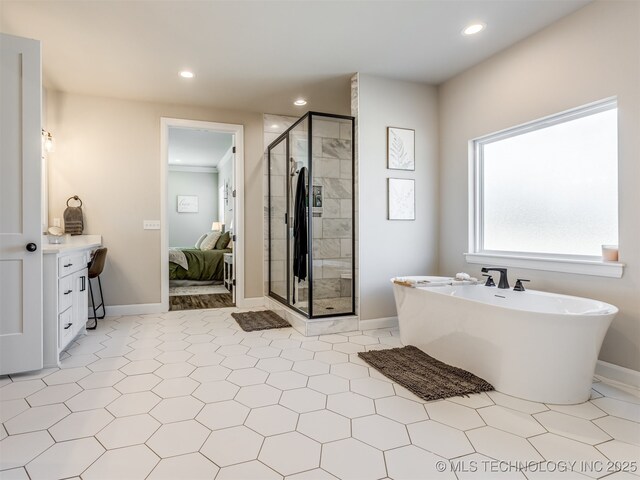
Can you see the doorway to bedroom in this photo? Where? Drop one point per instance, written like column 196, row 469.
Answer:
column 200, row 215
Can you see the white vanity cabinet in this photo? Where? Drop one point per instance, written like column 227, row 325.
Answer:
column 65, row 293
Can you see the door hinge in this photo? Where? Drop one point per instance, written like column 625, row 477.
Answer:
column 234, row 238
column 234, row 194
column 234, row 149
column 234, row 282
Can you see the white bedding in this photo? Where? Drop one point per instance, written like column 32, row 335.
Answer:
column 178, row 257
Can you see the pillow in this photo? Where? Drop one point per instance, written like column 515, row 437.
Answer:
column 209, row 243
column 223, row 241
column 200, row 240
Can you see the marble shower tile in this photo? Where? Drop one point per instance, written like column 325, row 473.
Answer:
column 277, row 123
column 346, row 247
column 331, row 208
column 326, row 128
column 346, row 207
column 326, row 248
column 334, row 148
column 345, row 130
column 317, row 227
column 337, row 188
column 346, row 169
column 337, row 228
column 326, row 288
column 316, row 146
column 326, row 167
column 334, row 268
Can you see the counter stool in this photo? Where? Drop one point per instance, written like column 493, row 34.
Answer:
column 96, row 265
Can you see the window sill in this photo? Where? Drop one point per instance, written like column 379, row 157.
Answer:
column 582, row 267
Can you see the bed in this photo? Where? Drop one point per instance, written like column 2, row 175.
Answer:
column 204, row 265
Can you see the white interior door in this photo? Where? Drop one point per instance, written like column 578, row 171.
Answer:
column 20, row 205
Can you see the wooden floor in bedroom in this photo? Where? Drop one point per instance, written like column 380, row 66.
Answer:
column 200, row 302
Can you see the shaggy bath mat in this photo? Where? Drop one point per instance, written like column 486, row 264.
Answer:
column 200, row 302
column 263, row 320
column 428, row 378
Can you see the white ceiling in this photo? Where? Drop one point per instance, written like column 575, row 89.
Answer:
column 261, row 55
column 192, row 147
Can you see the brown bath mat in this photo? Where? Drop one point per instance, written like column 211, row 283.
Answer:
column 262, row 320
column 428, row 378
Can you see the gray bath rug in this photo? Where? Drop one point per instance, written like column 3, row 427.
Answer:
column 428, row 378
column 200, row 302
column 263, row 320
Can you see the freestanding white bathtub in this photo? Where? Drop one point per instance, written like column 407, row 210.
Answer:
column 533, row 345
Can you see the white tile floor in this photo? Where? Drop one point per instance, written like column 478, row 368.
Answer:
column 188, row 395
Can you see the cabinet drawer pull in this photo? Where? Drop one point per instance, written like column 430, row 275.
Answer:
column 66, row 327
column 68, row 265
column 68, row 292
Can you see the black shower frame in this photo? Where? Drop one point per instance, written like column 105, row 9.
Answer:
column 285, row 136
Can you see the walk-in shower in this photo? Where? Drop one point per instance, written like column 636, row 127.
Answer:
column 311, row 216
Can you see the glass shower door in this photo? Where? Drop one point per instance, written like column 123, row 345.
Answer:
column 278, row 198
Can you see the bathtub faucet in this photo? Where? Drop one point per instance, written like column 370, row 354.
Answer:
column 504, row 282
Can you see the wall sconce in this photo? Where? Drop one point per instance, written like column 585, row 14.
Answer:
column 216, row 227
column 47, row 141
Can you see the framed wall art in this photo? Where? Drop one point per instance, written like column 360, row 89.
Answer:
column 401, row 149
column 187, row 204
column 402, row 199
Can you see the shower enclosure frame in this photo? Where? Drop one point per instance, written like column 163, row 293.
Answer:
column 285, row 136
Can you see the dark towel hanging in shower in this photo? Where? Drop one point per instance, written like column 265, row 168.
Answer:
column 300, row 244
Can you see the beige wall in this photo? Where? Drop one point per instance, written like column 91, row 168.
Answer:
column 391, row 248
column 108, row 153
column 587, row 56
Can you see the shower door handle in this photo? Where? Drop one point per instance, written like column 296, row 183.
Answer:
column 286, row 218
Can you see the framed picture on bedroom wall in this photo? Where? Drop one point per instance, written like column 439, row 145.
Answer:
column 402, row 199
column 401, row 151
column 187, row 204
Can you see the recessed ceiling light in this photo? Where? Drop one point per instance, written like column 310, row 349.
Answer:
column 178, row 160
column 275, row 125
column 186, row 74
column 474, row 28
column 300, row 102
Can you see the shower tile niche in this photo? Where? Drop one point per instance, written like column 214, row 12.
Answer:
column 321, row 145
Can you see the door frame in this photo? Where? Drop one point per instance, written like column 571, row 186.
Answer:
column 238, row 211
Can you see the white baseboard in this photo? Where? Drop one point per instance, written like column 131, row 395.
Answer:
column 253, row 302
column 373, row 323
column 618, row 373
column 137, row 309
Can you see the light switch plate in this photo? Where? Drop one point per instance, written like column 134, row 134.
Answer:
column 151, row 224
column 56, row 222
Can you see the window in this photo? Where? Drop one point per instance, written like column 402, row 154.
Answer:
column 547, row 189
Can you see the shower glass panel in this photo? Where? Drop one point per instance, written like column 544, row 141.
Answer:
column 311, row 216
column 278, row 184
column 333, row 213
column 298, row 165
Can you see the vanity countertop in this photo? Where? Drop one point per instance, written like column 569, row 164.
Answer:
column 71, row 243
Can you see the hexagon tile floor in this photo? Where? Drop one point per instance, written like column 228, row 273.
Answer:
column 188, row 395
